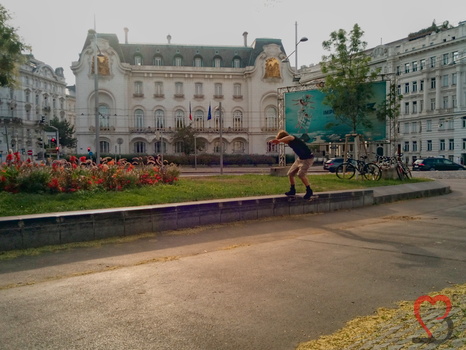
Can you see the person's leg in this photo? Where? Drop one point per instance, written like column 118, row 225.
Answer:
column 302, row 174
column 291, row 177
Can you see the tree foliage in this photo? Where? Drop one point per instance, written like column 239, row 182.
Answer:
column 348, row 76
column 186, row 135
column 11, row 48
column 65, row 132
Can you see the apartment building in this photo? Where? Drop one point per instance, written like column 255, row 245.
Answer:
column 40, row 95
column 143, row 93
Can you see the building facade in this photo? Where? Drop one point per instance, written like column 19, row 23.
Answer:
column 429, row 70
column 40, row 95
column 145, row 92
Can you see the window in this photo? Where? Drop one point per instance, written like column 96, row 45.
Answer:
column 464, row 144
column 442, row 145
column 28, row 96
column 445, row 102
column 179, row 119
column 237, row 90
column 158, row 89
column 198, row 91
column 398, row 70
column 433, row 83
column 398, row 89
column 139, row 147
column 405, row 128
column 428, row 125
column 236, row 62
column 104, row 147
column 451, row 144
column 406, row 88
column 454, row 103
column 138, row 89
column 137, row 60
column 271, row 118
column 158, row 61
column 179, row 89
column 441, row 124
column 217, row 146
column 429, row 145
column 199, row 119
column 179, row 147
column 406, row 146
column 421, row 106
column 414, row 127
column 407, row 67
column 159, row 116
column 160, row 147
column 414, row 107
column 432, row 104
column 217, row 62
column 445, row 80
column 421, row 85
column 218, row 90
column 454, row 78
column 238, row 146
column 414, row 146
column 433, row 61
column 463, row 122
column 422, row 64
column 177, row 61
column 445, row 59
column 414, row 86
column 139, row 119
column 406, row 107
column 197, row 61
column 451, row 124
column 217, row 120
column 237, row 121
column 104, row 117
column 272, row 148
column 414, row 66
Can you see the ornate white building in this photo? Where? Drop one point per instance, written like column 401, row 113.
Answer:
column 429, row 70
column 40, row 95
column 146, row 91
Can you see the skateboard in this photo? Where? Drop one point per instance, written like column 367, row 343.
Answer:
column 298, row 196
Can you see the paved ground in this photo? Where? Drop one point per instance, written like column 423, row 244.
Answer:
column 269, row 284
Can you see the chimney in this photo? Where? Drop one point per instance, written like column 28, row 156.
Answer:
column 126, row 34
column 169, row 38
column 245, row 35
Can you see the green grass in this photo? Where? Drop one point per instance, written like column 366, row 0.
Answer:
column 185, row 190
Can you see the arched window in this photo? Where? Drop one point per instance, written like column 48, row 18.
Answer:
column 271, row 118
column 178, row 60
column 159, row 116
column 179, row 147
column 199, row 120
column 238, row 146
column 104, row 147
column 179, row 119
column 104, row 117
column 217, row 63
column 237, row 120
column 139, row 119
column 197, row 61
column 236, row 63
column 139, row 147
column 158, row 60
column 160, row 147
column 217, row 120
column 138, row 60
column 272, row 148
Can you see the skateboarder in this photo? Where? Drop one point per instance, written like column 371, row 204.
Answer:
column 302, row 163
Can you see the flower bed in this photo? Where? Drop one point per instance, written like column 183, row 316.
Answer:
column 83, row 175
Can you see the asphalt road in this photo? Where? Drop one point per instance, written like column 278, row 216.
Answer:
column 266, row 284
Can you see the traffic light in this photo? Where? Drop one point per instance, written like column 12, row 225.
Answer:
column 88, row 149
column 53, row 140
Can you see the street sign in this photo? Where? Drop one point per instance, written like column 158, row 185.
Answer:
column 30, row 152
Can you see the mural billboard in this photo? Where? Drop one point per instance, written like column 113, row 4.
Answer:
column 307, row 117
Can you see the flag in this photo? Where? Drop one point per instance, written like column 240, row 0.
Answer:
column 190, row 114
column 209, row 113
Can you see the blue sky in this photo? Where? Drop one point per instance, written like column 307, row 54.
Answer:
column 56, row 29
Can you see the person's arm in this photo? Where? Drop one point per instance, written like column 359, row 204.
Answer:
column 285, row 139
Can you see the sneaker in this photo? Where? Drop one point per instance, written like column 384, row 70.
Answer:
column 308, row 194
column 291, row 192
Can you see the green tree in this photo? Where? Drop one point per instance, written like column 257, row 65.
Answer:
column 65, row 132
column 186, row 135
column 11, row 49
column 347, row 85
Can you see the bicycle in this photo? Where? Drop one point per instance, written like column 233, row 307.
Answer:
column 402, row 168
column 370, row 171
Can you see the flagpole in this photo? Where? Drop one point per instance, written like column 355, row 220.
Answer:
column 221, row 136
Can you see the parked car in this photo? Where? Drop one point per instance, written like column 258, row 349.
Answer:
column 332, row 164
column 436, row 164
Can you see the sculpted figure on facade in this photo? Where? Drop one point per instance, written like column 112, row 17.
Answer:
column 272, row 68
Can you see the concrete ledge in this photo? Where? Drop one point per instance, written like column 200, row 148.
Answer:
column 31, row 231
